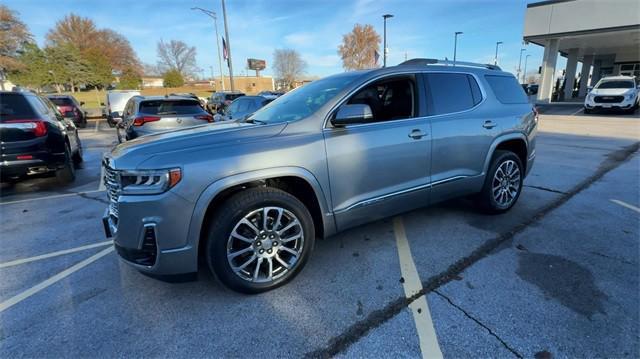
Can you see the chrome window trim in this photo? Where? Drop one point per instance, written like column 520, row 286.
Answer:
column 354, row 91
column 370, row 201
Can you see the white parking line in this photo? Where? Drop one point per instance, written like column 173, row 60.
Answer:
column 51, row 197
column 575, row 113
column 42, row 285
column 626, row 205
column 53, row 254
column 412, row 285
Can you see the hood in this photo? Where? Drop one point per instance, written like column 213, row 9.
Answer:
column 132, row 153
column 611, row 92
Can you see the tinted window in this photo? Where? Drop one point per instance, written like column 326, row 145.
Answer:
column 170, row 107
column 450, row 93
column 14, row 106
column 38, row 105
column 507, row 89
column 234, row 96
column 243, row 105
column 61, row 101
column 615, row 85
column 475, row 90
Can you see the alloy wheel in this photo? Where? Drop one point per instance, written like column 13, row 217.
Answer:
column 265, row 244
column 506, row 183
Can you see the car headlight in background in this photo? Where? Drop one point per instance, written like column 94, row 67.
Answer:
column 149, row 181
column 630, row 96
column 590, row 97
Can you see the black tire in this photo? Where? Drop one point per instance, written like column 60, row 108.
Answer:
column 67, row 173
column 486, row 198
column 230, row 213
column 587, row 111
column 77, row 156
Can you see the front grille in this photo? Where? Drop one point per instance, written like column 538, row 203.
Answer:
column 112, row 184
column 608, row 99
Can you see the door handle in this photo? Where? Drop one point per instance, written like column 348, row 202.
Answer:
column 417, row 134
column 489, row 124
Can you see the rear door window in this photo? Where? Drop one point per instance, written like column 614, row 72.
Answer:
column 170, row 107
column 451, row 92
column 61, row 101
column 15, row 106
column 507, row 89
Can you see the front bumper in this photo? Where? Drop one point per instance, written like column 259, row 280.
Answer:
column 622, row 105
column 150, row 233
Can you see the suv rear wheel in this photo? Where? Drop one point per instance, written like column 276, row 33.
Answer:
column 503, row 184
column 259, row 239
column 67, row 173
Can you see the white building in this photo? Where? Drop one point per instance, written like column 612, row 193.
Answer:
column 604, row 35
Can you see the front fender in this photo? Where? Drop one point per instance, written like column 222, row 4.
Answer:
column 215, row 188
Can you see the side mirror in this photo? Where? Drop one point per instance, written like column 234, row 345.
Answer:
column 351, row 114
column 589, row 89
column 81, row 103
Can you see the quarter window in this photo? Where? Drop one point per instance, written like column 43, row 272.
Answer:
column 452, row 93
column 507, row 89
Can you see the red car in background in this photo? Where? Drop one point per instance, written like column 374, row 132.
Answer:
column 68, row 105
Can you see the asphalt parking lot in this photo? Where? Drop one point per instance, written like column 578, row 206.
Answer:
column 558, row 276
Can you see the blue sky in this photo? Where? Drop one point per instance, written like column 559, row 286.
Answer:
column 420, row 28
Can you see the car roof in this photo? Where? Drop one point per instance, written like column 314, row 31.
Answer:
column 252, row 98
column 170, row 97
column 608, row 78
column 59, row 96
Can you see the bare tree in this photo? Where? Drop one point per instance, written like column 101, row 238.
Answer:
column 14, row 35
column 74, row 30
column 288, row 66
column 359, row 48
column 176, row 55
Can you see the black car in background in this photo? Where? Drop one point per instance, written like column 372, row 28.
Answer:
column 35, row 138
column 243, row 107
column 71, row 108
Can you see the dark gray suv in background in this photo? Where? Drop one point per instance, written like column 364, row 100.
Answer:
column 249, row 198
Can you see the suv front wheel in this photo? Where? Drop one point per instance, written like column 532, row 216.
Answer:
column 503, row 184
column 259, row 239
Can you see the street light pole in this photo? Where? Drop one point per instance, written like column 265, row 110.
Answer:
column 212, row 14
column 226, row 35
column 495, row 59
column 520, row 62
column 455, row 46
column 384, row 49
column 524, row 74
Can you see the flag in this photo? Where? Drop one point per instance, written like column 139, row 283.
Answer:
column 376, row 56
column 225, row 53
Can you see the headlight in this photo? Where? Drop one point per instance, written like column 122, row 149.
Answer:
column 630, row 96
column 149, row 181
column 590, row 97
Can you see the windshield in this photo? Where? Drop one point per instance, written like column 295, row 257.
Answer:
column 170, row 107
column 616, row 85
column 303, row 101
column 61, row 101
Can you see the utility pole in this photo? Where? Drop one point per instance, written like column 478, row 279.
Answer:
column 213, row 15
column 455, row 46
column 520, row 63
column 226, row 35
column 524, row 74
column 495, row 59
column 384, row 50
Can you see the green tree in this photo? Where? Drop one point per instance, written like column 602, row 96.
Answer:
column 33, row 71
column 68, row 67
column 130, row 79
column 14, row 36
column 173, row 78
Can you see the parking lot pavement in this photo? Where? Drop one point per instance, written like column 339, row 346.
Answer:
column 558, row 273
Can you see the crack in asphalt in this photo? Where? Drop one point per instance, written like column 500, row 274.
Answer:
column 491, row 332
column 374, row 319
column 545, row 189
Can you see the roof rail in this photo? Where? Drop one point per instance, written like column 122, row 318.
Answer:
column 425, row 62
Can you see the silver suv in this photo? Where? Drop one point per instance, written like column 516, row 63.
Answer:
column 249, row 198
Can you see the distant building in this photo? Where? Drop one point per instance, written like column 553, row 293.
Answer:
column 603, row 35
column 152, row 82
column 248, row 84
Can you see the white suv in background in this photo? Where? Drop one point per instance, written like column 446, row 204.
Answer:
column 616, row 92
